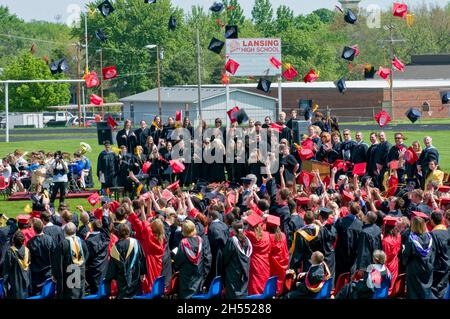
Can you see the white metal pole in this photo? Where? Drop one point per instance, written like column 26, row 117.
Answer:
column 86, row 41
column 227, row 94
column 280, row 96
column 7, row 111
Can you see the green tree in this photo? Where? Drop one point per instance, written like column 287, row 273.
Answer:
column 285, row 18
column 325, row 15
column 34, row 96
column 234, row 16
column 262, row 16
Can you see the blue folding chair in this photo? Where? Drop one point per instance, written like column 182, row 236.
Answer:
column 48, row 290
column 383, row 291
column 269, row 290
column 325, row 292
column 215, row 289
column 101, row 293
column 157, row 289
column 2, row 290
column 447, row 295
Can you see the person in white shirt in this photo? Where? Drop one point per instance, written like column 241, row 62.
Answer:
column 5, row 170
column 59, row 170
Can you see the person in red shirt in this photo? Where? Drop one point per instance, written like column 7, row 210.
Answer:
column 25, row 222
column 279, row 254
column 392, row 245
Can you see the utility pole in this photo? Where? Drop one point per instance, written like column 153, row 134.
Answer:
column 86, row 42
column 159, row 82
column 199, row 78
column 101, row 83
column 78, row 84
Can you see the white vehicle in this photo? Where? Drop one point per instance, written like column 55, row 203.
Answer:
column 57, row 116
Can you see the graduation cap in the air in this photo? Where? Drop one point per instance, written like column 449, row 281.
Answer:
column 444, row 189
column 359, row 169
column 174, row 186
column 172, row 23
column 348, row 53
column 305, row 178
column 369, row 71
column 275, row 62
column 305, row 154
column 347, row 196
column 290, row 73
column 276, row 127
column 241, row 116
column 177, row 166
column 413, row 115
column 216, row 45
column 445, row 97
column 59, row 66
column 350, row 17
column 150, row 1
column 96, row 100
column 411, row 156
column 264, row 85
column 231, row 66
column 341, row 85
column 384, row 72
column 311, row 76
column 217, row 7
column 94, row 199
column 382, row 118
column 99, row 34
column 232, row 114
column 399, row 65
column 105, row 8
column 231, row 32
column 400, row 10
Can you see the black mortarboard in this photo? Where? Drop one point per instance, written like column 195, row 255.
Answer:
column 264, row 85
column 246, row 180
column 216, row 45
column 217, row 7
column 172, row 23
column 106, row 8
column 234, row 185
column 231, row 32
column 153, row 182
column 350, row 17
column 59, row 66
column 63, row 65
column 303, row 104
column 369, row 72
column 445, row 97
column 308, row 113
column 241, row 116
column 341, row 85
column 101, row 35
column 54, row 67
column 413, row 115
column 348, row 53
column 150, row 1
column 325, row 212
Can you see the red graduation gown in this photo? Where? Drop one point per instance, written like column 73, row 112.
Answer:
column 153, row 249
column 279, row 259
column 259, row 270
column 28, row 233
column 391, row 247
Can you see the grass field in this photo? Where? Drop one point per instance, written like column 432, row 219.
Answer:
column 441, row 139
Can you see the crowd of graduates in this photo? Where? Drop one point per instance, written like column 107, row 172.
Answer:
column 379, row 216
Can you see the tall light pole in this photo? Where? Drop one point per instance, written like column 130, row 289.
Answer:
column 101, row 82
column 152, row 46
column 199, row 79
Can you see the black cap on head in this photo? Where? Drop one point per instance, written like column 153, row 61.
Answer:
column 413, row 115
column 241, row 116
column 246, row 181
column 105, row 8
column 369, row 72
column 216, row 45
column 106, row 143
column 341, row 85
column 99, row 34
column 264, row 85
column 350, row 17
column 172, row 23
column 231, row 32
column 445, row 97
column 217, row 7
column 348, row 53
column 325, row 212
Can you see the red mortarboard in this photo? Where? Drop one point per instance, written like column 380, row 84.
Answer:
column 94, row 199
column 110, row 72
column 146, row 167
column 360, row 169
column 305, row 178
column 382, row 118
column 23, row 219
column 308, row 143
column 96, row 100
column 411, row 156
column 111, row 122
column 275, row 62
column 444, row 189
column 174, row 186
column 253, row 219
column 400, row 10
column 343, row 211
column 392, row 185
column 302, row 200
column 445, row 200
column 420, row 214
column 179, row 116
column 340, row 164
column 326, row 180
column 347, row 196
column 177, row 166
column 305, row 154
column 232, row 114
column 193, row 213
column 92, row 80
column 393, row 165
column 113, row 206
column 355, row 47
column 167, row 195
column 399, row 65
column 35, row 214
column 311, row 76
column 272, row 220
column 98, row 213
column 231, row 66
column 276, row 127
column 290, row 73
column 363, row 194
column 390, row 220
column 384, row 72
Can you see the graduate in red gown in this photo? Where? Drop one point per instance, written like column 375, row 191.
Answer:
column 279, row 254
column 392, row 245
column 152, row 239
column 259, row 271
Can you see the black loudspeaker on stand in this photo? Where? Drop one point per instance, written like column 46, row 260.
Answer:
column 104, row 133
column 297, row 132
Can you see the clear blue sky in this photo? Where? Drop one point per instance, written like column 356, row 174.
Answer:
column 49, row 9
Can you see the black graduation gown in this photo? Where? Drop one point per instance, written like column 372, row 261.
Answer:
column 55, row 232
column 382, row 153
column 304, row 247
column 108, row 164
column 156, row 134
column 83, row 231
column 6, row 234
column 41, row 249
column 130, row 140
column 324, row 156
column 371, row 163
column 66, row 270
column 441, row 270
column 359, row 153
column 235, row 269
column 289, row 163
column 428, row 154
column 156, row 169
column 348, row 229
column 147, row 149
column 175, row 237
column 358, row 289
column 328, row 236
column 294, row 224
column 369, row 241
column 346, row 150
column 96, row 265
column 126, row 268
column 419, row 268
column 167, row 132
column 315, row 274
column 286, row 133
column 217, row 172
column 141, row 136
column 125, row 166
column 192, row 276
column 218, row 234
column 16, row 278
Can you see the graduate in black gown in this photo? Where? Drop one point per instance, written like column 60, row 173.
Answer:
column 156, row 130
column 429, row 153
column 142, row 133
column 41, row 247
column 371, row 155
column 16, row 269
column 327, row 153
column 295, row 222
column 6, row 234
column 127, row 265
column 55, row 232
column 290, row 165
column 157, row 165
column 69, row 265
column 218, row 235
column 369, row 240
column 418, row 257
column 125, row 167
column 107, row 167
column 193, row 261
column 148, row 146
column 236, row 263
column 441, row 268
column 328, row 237
column 127, row 137
column 168, row 129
